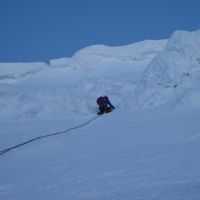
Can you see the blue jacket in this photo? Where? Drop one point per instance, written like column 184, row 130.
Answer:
column 107, row 102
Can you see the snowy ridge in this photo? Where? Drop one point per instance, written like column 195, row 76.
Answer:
column 92, row 56
column 173, row 76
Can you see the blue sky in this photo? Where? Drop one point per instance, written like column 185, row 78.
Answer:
column 39, row 30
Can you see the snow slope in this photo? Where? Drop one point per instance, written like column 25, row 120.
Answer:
column 149, row 155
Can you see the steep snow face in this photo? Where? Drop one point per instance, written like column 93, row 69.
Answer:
column 173, row 76
column 68, row 87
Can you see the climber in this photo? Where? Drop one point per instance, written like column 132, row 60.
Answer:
column 105, row 105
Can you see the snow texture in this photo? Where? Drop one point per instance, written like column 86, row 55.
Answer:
column 139, row 155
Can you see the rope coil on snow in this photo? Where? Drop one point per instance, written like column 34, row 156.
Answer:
column 45, row 136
